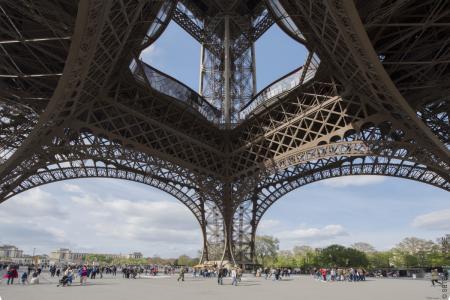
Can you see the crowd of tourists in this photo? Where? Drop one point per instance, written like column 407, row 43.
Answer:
column 93, row 272
column 31, row 276
column 273, row 273
column 235, row 273
column 81, row 273
column 340, row 274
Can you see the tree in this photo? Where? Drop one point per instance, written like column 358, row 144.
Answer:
column 285, row 258
column 97, row 258
column 378, row 260
column 185, row 260
column 414, row 252
column 413, row 245
column 266, row 247
column 363, row 247
column 340, row 256
column 302, row 250
column 356, row 258
column 333, row 255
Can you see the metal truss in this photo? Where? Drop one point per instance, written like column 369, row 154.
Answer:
column 227, row 36
column 76, row 102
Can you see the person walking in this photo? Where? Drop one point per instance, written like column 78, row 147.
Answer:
column 239, row 272
column 83, row 275
column 266, row 273
column 34, row 277
column 434, row 276
column 234, row 277
column 24, row 278
column 69, row 274
column 220, row 275
column 181, row 276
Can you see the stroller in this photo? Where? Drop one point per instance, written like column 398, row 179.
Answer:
column 64, row 281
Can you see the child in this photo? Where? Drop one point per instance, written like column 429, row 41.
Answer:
column 24, row 277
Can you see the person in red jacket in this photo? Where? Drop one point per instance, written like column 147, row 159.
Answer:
column 11, row 274
column 324, row 274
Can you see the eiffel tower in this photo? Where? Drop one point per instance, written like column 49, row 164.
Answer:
column 77, row 101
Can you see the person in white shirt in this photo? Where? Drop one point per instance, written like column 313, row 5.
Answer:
column 234, row 277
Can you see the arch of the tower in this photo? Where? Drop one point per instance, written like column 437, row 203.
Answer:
column 250, row 211
column 77, row 43
column 382, row 139
column 205, row 212
column 387, row 62
column 371, row 148
column 83, row 110
column 284, row 182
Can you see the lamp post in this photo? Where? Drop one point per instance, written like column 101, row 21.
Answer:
column 34, row 260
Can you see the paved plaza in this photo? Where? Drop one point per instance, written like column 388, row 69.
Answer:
column 167, row 287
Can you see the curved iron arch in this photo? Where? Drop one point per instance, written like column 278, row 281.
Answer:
column 188, row 197
column 369, row 165
column 50, row 176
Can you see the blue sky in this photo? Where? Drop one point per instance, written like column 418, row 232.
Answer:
column 115, row 216
column 178, row 54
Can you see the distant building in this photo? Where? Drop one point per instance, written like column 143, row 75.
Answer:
column 43, row 259
column 24, row 260
column 61, row 255
column 64, row 255
column 136, row 255
column 10, row 251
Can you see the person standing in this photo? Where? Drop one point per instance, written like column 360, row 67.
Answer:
column 8, row 275
column 14, row 274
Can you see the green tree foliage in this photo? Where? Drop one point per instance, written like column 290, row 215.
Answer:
column 415, row 252
column 98, row 258
column 379, row 259
column 340, row 256
column 185, row 260
column 410, row 252
column 266, row 248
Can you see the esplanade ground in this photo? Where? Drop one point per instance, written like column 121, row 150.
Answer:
column 166, row 287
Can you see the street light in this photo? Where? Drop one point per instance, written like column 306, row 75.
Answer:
column 34, row 259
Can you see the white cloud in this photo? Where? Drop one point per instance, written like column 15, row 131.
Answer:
column 71, row 188
column 98, row 217
column 314, row 234
column 436, row 220
column 353, row 180
column 149, row 53
column 34, row 203
column 267, row 224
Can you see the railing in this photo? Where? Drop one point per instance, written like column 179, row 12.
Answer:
column 284, row 20
column 171, row 87
column 162, row 19
column 284, row 84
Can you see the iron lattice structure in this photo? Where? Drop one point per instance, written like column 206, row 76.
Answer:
column 76, row 101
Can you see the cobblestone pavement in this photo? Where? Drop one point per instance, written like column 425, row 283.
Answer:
column 167, row 287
